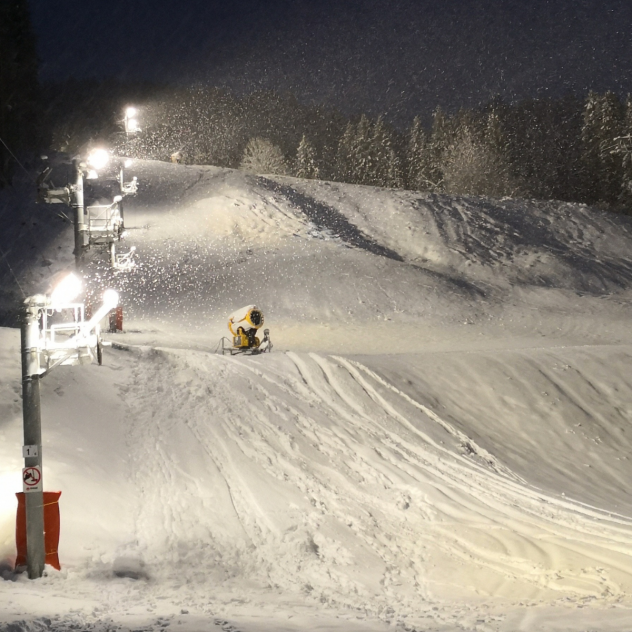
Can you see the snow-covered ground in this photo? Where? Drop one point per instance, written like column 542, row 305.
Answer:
column 439, row 440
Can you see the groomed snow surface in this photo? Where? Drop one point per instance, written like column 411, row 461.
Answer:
column 441, row 438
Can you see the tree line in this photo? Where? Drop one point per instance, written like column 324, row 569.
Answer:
column 570, row 149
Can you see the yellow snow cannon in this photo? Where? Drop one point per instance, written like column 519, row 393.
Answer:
column 243, row 325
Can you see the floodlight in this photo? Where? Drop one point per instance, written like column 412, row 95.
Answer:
column 98, row 158
column 65, row 291
column 131, row 112
column 110, row 299
column 132, row 125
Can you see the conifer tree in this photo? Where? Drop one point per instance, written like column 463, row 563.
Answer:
column 501, row 178
column 367, row 155
column 626, row 161
column 418, row 177
column 386, row 165
column 343, row 168
column 602, row 125
column 439, row 141
column 362, row 158
column 306, row 165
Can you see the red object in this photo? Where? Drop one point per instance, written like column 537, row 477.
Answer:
column 116, row 320
column 51, row 529
column 119, row 318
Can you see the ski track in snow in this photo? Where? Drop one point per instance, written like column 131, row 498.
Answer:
column 419, row 491
column 250, row 441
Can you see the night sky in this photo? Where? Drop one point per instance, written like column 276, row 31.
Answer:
column 397, row 56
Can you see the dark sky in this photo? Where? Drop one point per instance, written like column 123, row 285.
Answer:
column 395, row 56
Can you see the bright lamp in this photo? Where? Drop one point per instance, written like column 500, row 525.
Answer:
column 98, row 158
column 110, row 299
column 66, row 290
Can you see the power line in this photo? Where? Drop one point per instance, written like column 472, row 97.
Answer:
column 4, row 256
column 14, row 156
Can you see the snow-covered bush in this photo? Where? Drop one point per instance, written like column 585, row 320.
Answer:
column 262, row 156
column 474, row 166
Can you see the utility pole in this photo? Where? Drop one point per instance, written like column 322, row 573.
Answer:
column 78, row 204
column 33, row 498
column 76, row 341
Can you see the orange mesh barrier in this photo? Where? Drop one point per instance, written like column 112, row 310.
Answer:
column 51, row 529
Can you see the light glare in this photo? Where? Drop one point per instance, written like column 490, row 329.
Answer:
column 130, row 112
column 98, row 158
column 110, row 299
column 66, row 290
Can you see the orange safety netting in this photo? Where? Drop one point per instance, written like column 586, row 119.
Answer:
column 51, row 529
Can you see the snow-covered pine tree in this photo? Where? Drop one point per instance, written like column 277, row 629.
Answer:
column 362, row 159
column 343, row 166
column 262, row 156
column 501, row 180
column 367, row 155
column 625, row 145
column 354, row 159
column 386, row 165
column 306, row 165
column 602, row 125
column 419, row 159
column 591, row 145
column 439, row 140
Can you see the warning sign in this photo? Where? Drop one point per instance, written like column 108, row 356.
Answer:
column 32, row 479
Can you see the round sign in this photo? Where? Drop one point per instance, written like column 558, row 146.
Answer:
column 31, row 476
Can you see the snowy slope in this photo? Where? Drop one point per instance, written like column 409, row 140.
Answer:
column 439, row 440
column 345, row 261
